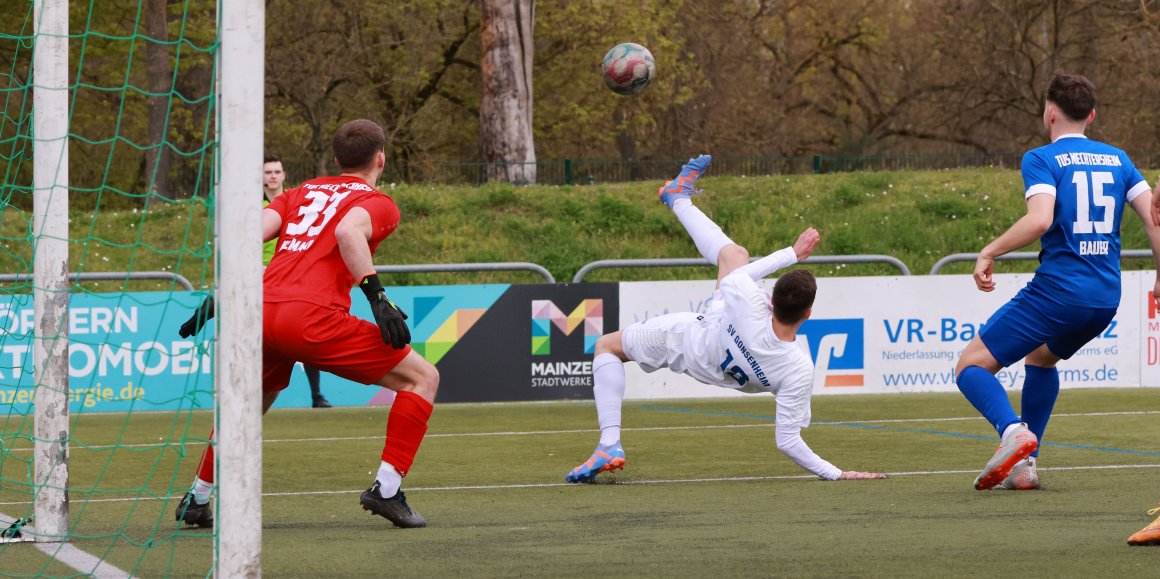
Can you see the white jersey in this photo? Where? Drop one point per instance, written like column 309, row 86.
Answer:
column 731, row 345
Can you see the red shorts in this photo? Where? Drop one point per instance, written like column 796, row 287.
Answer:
column 327, row 339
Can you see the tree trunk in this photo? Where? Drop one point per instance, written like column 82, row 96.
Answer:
column 505, row 110
column 159, row 84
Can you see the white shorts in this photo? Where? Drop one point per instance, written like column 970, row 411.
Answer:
column 682, row 342
column 658, row 342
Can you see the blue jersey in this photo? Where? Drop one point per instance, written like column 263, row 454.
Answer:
column 1091, row 183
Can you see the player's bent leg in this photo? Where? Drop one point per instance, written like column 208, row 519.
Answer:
column 413, row 374
column 415, row 382
column 611, row 343
column 975, row 377
column 977, row 354
column 1043, row 357
column 1040, row 391
column 731, row 258
column 194, row 507
column 608, row 392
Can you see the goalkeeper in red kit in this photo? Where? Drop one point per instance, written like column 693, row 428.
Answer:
column 327, row 230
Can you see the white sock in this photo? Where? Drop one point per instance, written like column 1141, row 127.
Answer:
column 1010, row 428
column 202, row 491
column 389, row 480
column 608, row 389
column 707, row 236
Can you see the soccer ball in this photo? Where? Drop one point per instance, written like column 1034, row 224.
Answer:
column 628, row 68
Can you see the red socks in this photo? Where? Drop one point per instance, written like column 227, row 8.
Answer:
column 406, row 426
column 205, row 467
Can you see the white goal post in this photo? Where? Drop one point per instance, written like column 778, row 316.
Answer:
column 50, row 268
column 238, row 415
column 238, row 379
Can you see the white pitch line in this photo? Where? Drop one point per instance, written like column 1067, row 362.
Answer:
column 436, row 435
column 90, row 565
column 629, row 482
column 591, row 430
column 81, row 561
column 963, row 418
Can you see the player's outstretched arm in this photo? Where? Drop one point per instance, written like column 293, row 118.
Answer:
column 1040, row 213
column 856, row 475
column 806, row 242
column 790, row 443
column 801, row 249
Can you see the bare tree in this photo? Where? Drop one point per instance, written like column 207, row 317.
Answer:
column 505, row 110
column 160, row 86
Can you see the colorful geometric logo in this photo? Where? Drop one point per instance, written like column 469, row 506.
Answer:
column 446, row 336
column 545, row 314
column 838, row 350
column 439, row 319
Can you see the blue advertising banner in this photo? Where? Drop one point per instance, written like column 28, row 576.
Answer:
column 491, row 342
column 124, row 353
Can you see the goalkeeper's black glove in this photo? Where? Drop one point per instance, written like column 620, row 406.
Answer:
column 389, row 317
column 194, row 324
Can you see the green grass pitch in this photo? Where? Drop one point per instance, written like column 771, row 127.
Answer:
column 705, row 493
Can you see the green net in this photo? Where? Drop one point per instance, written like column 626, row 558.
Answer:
column 141, row 153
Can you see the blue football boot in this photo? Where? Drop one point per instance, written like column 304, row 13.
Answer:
column 683, row 186
column 605, row 459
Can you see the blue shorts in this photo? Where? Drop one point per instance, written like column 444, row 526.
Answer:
column 1032, row 319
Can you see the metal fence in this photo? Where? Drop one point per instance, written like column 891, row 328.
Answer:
column 121, row 276
column 702, row 262
column 461, row 267
column 580, row 274
column 1020, row 256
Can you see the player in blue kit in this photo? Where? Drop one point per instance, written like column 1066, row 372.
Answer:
column 1076, row 190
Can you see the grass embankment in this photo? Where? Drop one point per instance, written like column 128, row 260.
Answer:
column 916, row 217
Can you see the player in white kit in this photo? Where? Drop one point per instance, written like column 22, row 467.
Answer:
column 744, row 340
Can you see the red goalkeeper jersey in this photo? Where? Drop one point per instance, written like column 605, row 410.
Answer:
column 307, row 266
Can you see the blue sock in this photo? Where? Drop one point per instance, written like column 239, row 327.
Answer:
column 1040, row 390
column 986, row 394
